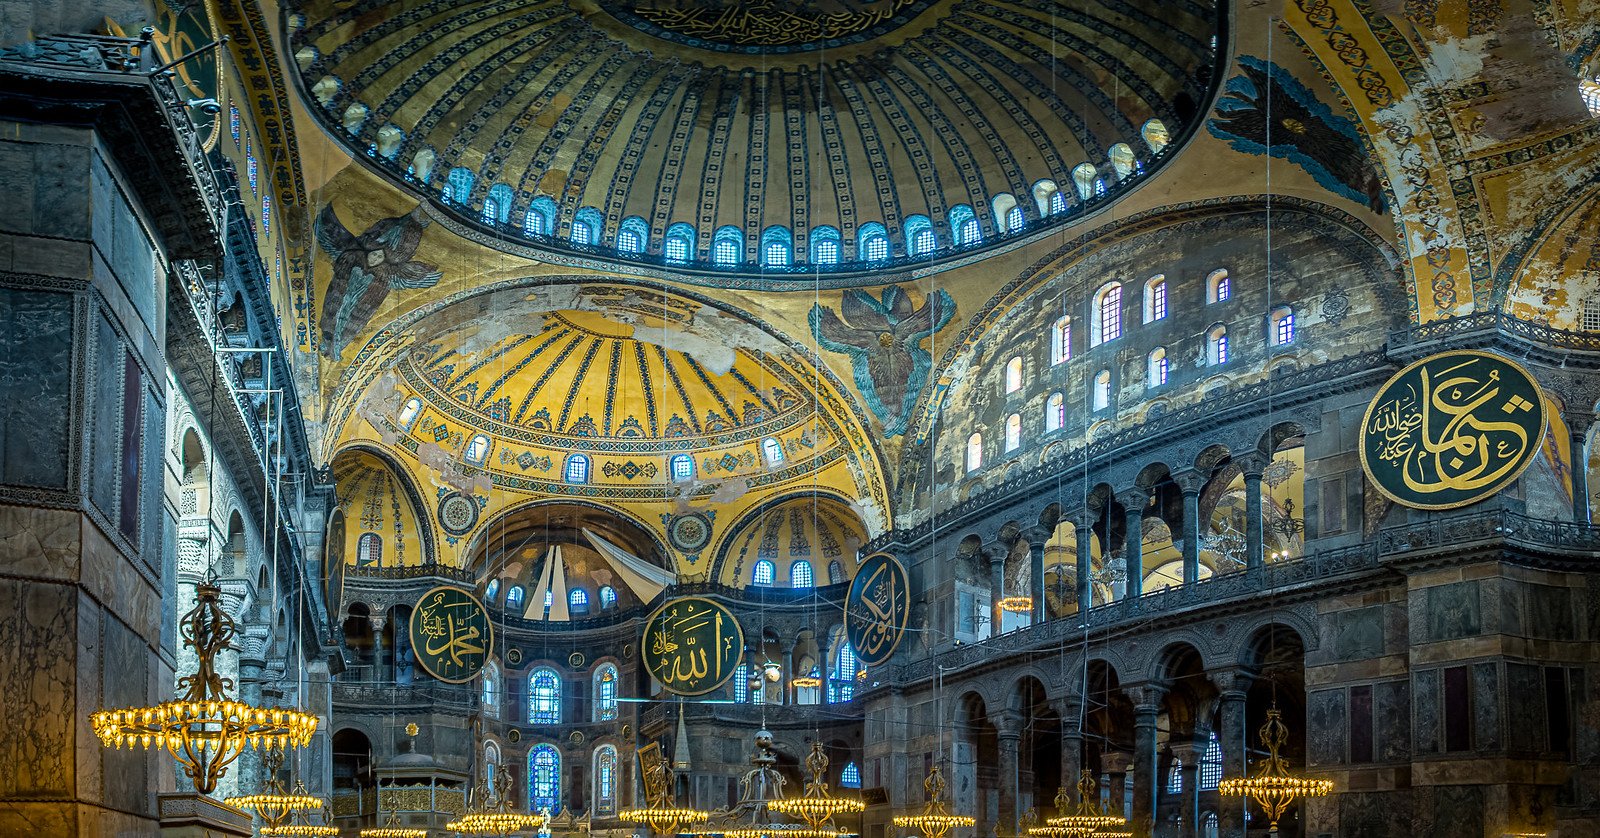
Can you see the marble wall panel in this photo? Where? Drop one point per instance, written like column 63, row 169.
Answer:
column 1451, row 811
column 105, row 417
column 1391, row 703
column 1374, row 813
column 45, row 184
column 36, row 366
column 1549, row 613
column 111, row 578
column 1486, row 706
column 121, row 240
column 1358, row 633
column 1452, row 611
column 38, row 628
column 1526, row 714
column 125, row 681
column 39, row 543
column 1425, row 712
column 1325, row 727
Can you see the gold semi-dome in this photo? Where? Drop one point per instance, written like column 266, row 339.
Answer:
column 618, row 125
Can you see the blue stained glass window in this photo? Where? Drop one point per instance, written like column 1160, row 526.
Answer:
column 544, row 779
column 544, row 697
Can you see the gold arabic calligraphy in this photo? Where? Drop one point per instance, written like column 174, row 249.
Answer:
column 451, row 634
column 693, row 645
column 876, row 611
column 767, row 23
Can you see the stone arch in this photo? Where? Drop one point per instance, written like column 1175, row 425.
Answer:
column 407, row 486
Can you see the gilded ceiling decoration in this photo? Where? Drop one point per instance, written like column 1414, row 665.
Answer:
column 574, row 123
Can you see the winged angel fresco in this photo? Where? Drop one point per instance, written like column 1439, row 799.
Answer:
column 883, row 338
column 365, row 268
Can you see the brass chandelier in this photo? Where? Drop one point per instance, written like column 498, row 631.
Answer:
column 205, row 730
column 494, row 818
column 1273, row 788
column 1088, row 819
column 392, row 829
column 662, row 815
column 300, row 826
column 816, row 806
column 935, row 820
column 275, row 804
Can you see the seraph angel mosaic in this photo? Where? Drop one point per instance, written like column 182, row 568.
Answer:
column 883, row 338
column 365, row 268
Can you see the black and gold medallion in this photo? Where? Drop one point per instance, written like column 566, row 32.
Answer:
column 451, row 634
column 692, row 645
column 877, row 609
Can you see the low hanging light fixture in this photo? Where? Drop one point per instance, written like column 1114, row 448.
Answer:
column 302, row 827
column 816, row 805
column 1088, row 818
column 935, row 820
column 1274, row 788
column 1017, row 604
column 274, row 803
column 809, row 681
column 1055, row 830
column 662, row 814
column 392, row 829
column 205, row 730
column 491, row 815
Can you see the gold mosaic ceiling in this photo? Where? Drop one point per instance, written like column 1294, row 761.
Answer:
column 768, row 118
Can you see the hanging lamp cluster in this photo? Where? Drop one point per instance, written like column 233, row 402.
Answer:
column 816, row 805
column 662, row 814
column 491, row 813
column 1017, row 604
column 1088, row 819
column 1273, row 787
column 275, row 804
column 392, row 829
column 205, row 730
column 935, row 820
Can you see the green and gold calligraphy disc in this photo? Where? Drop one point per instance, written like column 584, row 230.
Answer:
column 692, row 645
column 1452, row 429
column 877, row 608
column 451, row 635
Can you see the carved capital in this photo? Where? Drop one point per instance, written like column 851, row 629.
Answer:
column 1134, row 500
column 1233, row 683
column 1116, row 762
column 1007, row 724
column 1036, row 536
column 1189, row 481
column 1146, row 698
column 996, row 552
column 1252, row 465
column 1081, row 518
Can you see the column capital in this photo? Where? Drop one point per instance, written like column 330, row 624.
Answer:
column 1233, row 683
column 1082, row 518
column 1133, row 499
column 1187, row 753
column 1068, row 709
column 1116, row 762
column 1146, row 698
column 1007, row 724
column 996, row 551
column 1036, row 536
column 1190, row 481
column 1252, row 465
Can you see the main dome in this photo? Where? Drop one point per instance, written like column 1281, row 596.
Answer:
column 737, row 136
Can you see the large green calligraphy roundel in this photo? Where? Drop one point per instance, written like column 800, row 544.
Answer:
column 1452, row 429
column 451, row 634
column 877, row 609
column 692, row 645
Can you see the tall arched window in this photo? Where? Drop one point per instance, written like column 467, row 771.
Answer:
column 1084, row 177
column 964, row 230
column 369, row 550
column 825, row 245
column 1122, row 159
column 741, row 684
column 458, row 186
column 605, row 692
column 842, row 672
column 1210, row 827
column 1047, row 197
column 1102, row 390
column 1219, row 286
column 763, row 573
column 1013, row 432
column 633, row 235
column 1217, row 345
column 1281, row 326
column 776, row 243
column 491, row 761
column 1175, row 777
column 1014, row 374
column 605, row 780
column 1107, row 313
column 835, row 572
column 1007, row 213
column 1155, row 298
column 681, row 467
column 491, row 592
column 1156, row 372
column 974, row 452
column 1211, row 764
column 586, row 226
column 497, row 204
column 800, row 574
column 514, row 598
column 544, row 697
column 233, row 123
column 608, row 597
column 873, row 243
column 772, row 451
column 1155, row 136
column 578, row 600
column 678, row 246
column 850, row 777
column 576, row 470
column 409, row 412
column 477, row 450
column 920, row 238
column 1055, row 413
column 1061, row 340
column 544, row 779
column 489, row 690
column 540, row 219
column 727, row 246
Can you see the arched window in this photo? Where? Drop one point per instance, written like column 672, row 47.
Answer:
column 605, row 692
column 763, row 573
column 772, row 450
column 1155, row 298
column 873, row 245
column 850, row 777
column 1055, row 413
column 974, row 452
column 835, row 572
column 577, row 599
column 825, row 245
column 681, row 467
column 1175, row 778
column 266, row 215
column 252, row 171
column 678, row 246
column 605, row 780
column 1210, row 827
column 633, row 235
column 544, row 697
column 233, row 123
column 1281, row 326
column 491, row 761
column 608, row 597
column 1157, row 367
column 1211, row 766
column 1099, row 187
column 1155, row 136
column 514, row 598
column 741, row 684
column 1219, row 286
column 458, row 186
column 585, row 227
column 1084, row 177
column 920, row 238
column 1061, row 340
column 409, row 412
column 1013, row 432
column 540, row 219
column 544, row 779
column 477, row 450
column 800, row 574
column 491, row 592
column 1102, row 390
column 1107, row 313
column 1048, row 198
column 1589, row 91
column 842, row 672
column 577, row 469
column 1007, row 213
column 497, row 204
column 727, row 246
column 775, row 245
column 1014, row 374
column 1122, row 160
column 1590, row 321
column 964, row 230
column 1217, row 345
column 369, row 550
column 489, row 694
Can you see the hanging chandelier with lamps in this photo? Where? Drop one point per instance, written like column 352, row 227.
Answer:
column 662, row 814
column 816, row 806
column 301, row 826
column 205, row 729
column 935, row 820
column 1017, row 604
column 392, row 829
column 491, row 814
column 275, row 804
column 1088, row 818
column 1273, row 787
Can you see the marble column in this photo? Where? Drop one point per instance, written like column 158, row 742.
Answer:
column 1085, row 531
column 1188, row 756
column 1578, row 428
column 790, row 672
column 1116, row 766
column 1008, row 733
column 1190, row 483
column 1254, row 529
column 1146, row 707
column 1071, row 745
column 1133, row 503
column 996, row 553
column 1036, row 537
column 1231, row 736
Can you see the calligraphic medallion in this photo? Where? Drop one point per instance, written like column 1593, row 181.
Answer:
column 692, row 645
column 451, row 634
column 1452, row 429
column 877, row 608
